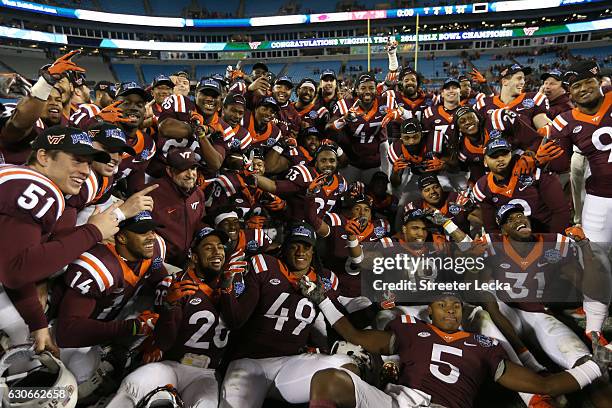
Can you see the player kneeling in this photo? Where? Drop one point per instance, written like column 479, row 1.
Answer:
column 440, row 365
column 189, row 333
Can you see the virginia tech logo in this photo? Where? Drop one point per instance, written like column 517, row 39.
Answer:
column 55, row 139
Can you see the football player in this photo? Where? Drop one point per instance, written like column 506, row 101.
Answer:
column 440, row 365
column 472, row 133
column 190, row 333
column 33, row 202
column 531, row 106
column 241, row 242
column 34, row 113
column 468, row 95
column 309, row 189
column 288, row 119
column 275, row 322
column 540, row 193
column 327, row 94
column 409, row 95
column 260, row 123
column 357, row 126
column 310, row 110
column 161, row 88
column 98, row 285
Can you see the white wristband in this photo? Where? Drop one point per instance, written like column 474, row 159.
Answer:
column 357, row 260
column 352, row 244
column 450, row 227
column 584, row 374
column 339, row 151
column 330, row 312
column 41, row 89
column 120, row 215
column 339, row 123
column 277, row 149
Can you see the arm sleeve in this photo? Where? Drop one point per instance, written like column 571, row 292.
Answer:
column 237, row 310
column 552, row 195
column 167, row 327
column 25, row 300
column 24, row 259
column 488, row 217
column 76, row 329
column 286, row 187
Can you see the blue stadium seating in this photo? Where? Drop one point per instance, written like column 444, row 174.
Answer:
column 125, row 72
column 208, row 70
column 123, row 7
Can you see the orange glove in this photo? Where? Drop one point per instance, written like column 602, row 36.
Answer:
column 541, row 401
column 547, row 152
column 64, row 63
column 179, row 290
column 145, row 323
column 256, row 222
column 113, row 114
column 478, row 248
column 236, row 73
column 196, row 119
column 399, row 165
column 388, row 301
column 575, row 233
column 391, row 116
column 434, row 164
column 601, row 340
column 477, row 76
column 277, row 203
column 316, row 184
column 525, row 165
column 353, row 227
column 290, row 141
column 150, row 352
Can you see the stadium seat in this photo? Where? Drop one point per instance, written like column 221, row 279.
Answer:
column 126, row 72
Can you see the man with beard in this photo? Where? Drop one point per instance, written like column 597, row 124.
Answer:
column 357, row 126
column 236, row 186
column 472, row 133
column 409, row 95
column 440, row 365
column 274, row 323
column 191, row 354
column 100, row 283
column 554, row 89
column 539, row 193
column 34, row 113
column 32, row 203
column 531, row 106
column 309, row 190
column 434, row 198
column 310, row 110
column 242, row 242
column 407, row 156
column 161, row 88
column 327, row 95
column 439, row 125
column 128, row 113
column 288, row 119
column 588, row 127
column 185, row 124
column 179, row 204
column 260, row 123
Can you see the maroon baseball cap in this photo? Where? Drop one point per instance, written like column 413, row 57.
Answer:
column 182, row 158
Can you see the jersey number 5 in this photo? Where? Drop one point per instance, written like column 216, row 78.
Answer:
column 436, row 362
column 30, row 198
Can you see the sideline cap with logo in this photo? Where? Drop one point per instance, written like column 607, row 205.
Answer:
column 414, row 214
column 328, row 73
column 513, row 69
column 260, row 65
column 106, row 86
column 182, row 158
column 504, row 212
column 234, row 99
column 69, row 140
column 284, row 80
column 412, row 125
column 207, row 83
column 112, row 137
column 128, row 88
column 553, row 73
column 427, row 180
column 497, row 145
column 207, row 232
column 451, row 81
column 269, row 101
column 140, row 223
column 162, row 80
column 581, row 70
column 301, row 232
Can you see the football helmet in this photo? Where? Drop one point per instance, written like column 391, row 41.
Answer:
column 49, row 373
column 162, row 397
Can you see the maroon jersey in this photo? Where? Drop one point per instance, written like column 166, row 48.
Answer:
column 297, row 155
column 540, row 195
column 101, row 283
column 449, row 208
column 415, row 106
column 414, row 155
column 384, row 207
column 592, row 134
column 528, row 276
column 559, row 105
column 288, row 120
column 181, row 213
column 265, row 138
column 526, row 105
column 251, row 242
column 314, row 115
column 296, row 184
column 96, row 189
column 133, row 167
column 230, row 188
column 360, row 139
column 84, row 116
column 448, row 367
column 193, row 327
column 273, row 316
column 438, row 122
column 337, row 252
